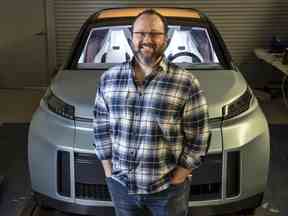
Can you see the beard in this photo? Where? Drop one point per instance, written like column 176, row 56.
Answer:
column 148, row 53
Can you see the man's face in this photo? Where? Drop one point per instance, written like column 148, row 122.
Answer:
column 149, row 39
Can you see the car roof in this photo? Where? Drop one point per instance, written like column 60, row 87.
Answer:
column 134, row 11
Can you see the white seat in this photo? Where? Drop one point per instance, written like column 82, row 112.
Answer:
column 182, row 41
column 115, row 48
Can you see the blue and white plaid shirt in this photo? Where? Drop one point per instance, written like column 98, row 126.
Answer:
column 147, row 133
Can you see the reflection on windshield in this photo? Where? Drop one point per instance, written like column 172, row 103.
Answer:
column 112, row 45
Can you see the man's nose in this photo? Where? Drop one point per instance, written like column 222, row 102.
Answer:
column 147, row 38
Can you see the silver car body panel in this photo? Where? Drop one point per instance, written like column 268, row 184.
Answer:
column 78, row 88
column 49, row 132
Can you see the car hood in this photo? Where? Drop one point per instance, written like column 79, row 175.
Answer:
column 78, row 88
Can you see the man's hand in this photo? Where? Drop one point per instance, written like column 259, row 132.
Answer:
column 107, row 166
column 179, row 174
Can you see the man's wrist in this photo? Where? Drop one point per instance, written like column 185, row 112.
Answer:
column 180, row 172
column 107, row 166
column 184, row 170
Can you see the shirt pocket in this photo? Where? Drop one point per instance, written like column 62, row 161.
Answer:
column 169, row 119
column 173, row 138
column 171, row 129
column 118, row 103
column 118, row 113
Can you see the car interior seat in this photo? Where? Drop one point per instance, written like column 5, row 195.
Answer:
column 182, row 48
column 115, row 49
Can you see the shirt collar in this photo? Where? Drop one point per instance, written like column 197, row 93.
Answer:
column 162, row 65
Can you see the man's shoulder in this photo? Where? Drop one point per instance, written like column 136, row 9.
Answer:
column 180, row 72
column 185, row 77
column 116, row 71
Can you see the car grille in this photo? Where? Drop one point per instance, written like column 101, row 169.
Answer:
column 92, row 191
column 205, row 191
column 100, row 191
column 206, row 182
column 63, row 173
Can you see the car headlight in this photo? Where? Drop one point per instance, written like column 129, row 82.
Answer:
column 58, row 106
column 238, row 106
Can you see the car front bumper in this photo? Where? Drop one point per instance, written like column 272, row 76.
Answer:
column 236, row 144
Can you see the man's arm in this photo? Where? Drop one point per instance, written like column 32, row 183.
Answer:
column 107, row 166
column 102, row 136
column 195, row 128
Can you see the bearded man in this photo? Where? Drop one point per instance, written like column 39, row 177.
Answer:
column 150, row 126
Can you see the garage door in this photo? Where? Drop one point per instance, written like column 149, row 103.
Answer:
column 244, row 24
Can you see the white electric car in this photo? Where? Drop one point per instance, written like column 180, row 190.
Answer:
column 65, row 172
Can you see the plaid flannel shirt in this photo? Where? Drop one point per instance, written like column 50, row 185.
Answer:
column 147, row 133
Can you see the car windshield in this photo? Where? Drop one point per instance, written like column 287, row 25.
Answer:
column 187, row 47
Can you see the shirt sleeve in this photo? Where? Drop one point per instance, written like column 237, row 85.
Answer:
column 101, row 128
column 195, row 128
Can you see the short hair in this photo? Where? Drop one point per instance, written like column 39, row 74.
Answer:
column 151, row 11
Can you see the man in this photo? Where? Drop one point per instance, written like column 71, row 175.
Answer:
column 150, row 126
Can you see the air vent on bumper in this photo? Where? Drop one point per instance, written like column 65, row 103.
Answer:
column 63, row 173
column 233, row 174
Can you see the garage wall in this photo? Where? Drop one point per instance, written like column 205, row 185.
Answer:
column 22, row 44
column 244, row 24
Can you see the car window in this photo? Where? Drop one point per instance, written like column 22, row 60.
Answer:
column 187, row 46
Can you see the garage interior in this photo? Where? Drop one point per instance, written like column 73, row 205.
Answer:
column 25, row 75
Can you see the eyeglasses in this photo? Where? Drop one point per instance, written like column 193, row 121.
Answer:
column 150, row 34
